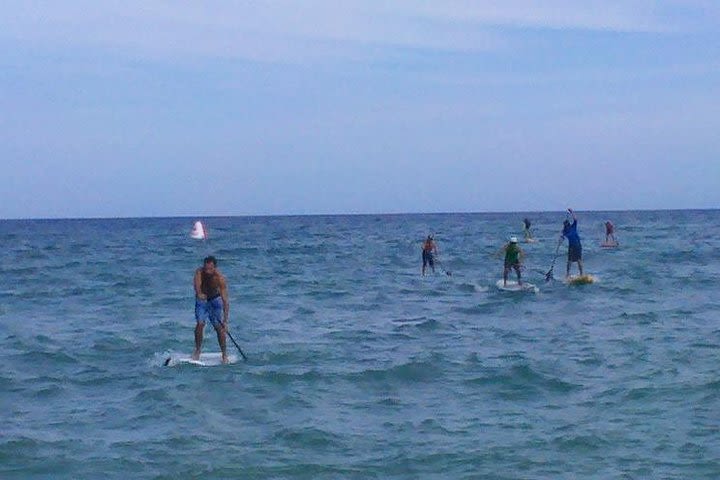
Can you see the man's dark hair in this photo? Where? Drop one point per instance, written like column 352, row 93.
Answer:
column 210, row 259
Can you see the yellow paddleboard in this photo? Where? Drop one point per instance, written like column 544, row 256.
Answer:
column 580, row 280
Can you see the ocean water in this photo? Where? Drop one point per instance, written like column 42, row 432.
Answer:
column 359, row 367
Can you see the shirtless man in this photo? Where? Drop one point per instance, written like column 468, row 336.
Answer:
column 610, row 233
column 429, row 250
column 211, row 303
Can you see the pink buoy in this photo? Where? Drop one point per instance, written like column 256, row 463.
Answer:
column 198, row 231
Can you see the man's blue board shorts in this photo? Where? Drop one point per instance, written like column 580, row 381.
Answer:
column 211, row 309
column 574, row 252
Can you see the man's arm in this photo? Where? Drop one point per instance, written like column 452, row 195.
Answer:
column 197, row 283
column 572, row 212
column 225, row 298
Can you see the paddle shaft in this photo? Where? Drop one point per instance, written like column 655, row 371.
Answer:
column 236, row 345
column 442, row 267
column 548, row 275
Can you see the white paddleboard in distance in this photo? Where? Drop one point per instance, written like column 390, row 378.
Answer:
column 610, row 244
column 206, row 359
column 513, row 286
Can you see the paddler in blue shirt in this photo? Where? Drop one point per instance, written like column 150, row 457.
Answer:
column 574, row 246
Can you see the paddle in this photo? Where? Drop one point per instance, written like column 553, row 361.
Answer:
column 549, row 274
column 449, row 274
column 238, row 346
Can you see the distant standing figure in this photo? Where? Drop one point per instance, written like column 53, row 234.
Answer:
column 526, row 229
column 429, row 250
column 610, row 232
column 574, row 246
column 211, row 303
column 513, row 257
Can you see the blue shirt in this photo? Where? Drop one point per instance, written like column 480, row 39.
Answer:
column 570, row 232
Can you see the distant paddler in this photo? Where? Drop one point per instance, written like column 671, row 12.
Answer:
column 610, row 233
column 526, row 230
column 429, row 251
column 513, row 260
column 211, row 304
column 570, row 231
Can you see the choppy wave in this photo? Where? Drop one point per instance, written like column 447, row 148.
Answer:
column 358, row 367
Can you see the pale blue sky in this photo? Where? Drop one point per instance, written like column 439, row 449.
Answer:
column 147, row 108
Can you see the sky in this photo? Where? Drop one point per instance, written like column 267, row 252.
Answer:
column 165, row 108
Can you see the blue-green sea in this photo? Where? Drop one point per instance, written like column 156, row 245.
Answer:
column 358, row 367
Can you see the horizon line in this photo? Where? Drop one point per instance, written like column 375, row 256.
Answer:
column 357, row 214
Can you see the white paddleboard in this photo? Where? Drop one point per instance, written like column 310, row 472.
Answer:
column 609, row 244
column 205, row 360
column 513, row 286
column 530, row 240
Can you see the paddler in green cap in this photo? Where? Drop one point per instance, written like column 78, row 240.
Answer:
column 513, row 256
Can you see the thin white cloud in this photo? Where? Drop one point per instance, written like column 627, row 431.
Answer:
column 571, row 75
column 314, row 29
column 601, row 15
column 283, row 31
column 597, row 15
